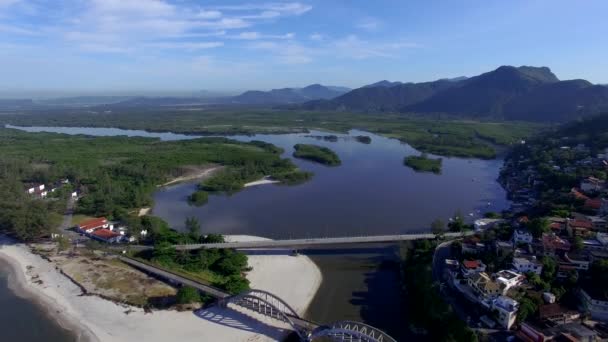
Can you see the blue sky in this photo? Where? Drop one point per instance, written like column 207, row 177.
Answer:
column 181, row 45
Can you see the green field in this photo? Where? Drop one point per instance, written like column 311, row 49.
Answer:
column 435, row 135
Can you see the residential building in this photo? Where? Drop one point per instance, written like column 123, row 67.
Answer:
column 552, row 245
column 106, row 235
column 89, row 226
column 472, row 245
column 486, row 223
column 556, row 314
column 593, row 204
column 522, row 236
column 507, row 311
column 592, row 184
column 484, row 286
column 471, row 267
column 508, row 279
column 524, row 264
column 595, row 305
column 503, row 248
column 580, row 261
column 579, row 227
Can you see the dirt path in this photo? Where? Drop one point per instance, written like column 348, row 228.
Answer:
column 195, row 173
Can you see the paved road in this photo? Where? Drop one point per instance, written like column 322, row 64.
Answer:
column 302, row 243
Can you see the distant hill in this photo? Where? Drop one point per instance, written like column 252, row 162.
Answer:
column 287, row 95
column 383, row 83
column 382, row 98
column 15, row 103
column 511, row 93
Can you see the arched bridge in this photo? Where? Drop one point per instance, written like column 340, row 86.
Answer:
column 269, row 305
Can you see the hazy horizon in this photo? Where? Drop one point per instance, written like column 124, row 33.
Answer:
column 164, row 47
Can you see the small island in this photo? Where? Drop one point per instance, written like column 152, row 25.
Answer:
column 198, row 198
column 317, row 154
column 423, row 163
column 364, row 139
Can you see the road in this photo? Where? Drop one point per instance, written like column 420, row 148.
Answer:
column 314, row 242
column 175, row 278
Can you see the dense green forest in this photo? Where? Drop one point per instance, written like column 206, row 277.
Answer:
column 114, row 174
column 423, row 163
column 316, row 153
column 430, row 133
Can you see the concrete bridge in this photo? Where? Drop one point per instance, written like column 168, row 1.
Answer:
column 269, row 305
column 313, row 242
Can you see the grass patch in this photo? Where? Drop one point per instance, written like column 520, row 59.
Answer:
column 317, row 154
column 423, row 163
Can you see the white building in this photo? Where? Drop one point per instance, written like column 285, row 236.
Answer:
column 507, row 311
column 527, row 264
column 597, row 308
column 522, row 236
column 508, row 279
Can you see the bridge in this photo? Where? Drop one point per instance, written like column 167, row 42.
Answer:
column 312, row 242
column 269, row 305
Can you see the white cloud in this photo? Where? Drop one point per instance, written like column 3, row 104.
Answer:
column 257, row 35
column 316, row 37
column 209, row 14
column 370, row 24
column 272, row 8
column 7, row 3
column 286, row 52
column 11, row 29
column 353, row 47
column 185, row 45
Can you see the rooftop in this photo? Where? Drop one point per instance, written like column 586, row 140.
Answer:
column 93, row 223
column 472, row 264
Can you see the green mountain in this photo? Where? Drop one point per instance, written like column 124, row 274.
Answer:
column 382, row 98
column 486, row 94
column 510, row 93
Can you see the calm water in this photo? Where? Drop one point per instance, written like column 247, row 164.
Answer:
column 372, row 192
column 22, row 320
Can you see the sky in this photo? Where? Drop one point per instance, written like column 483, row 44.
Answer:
column 116, row 46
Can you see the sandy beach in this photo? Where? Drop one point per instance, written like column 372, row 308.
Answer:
column 294, row 279
column 262, row 181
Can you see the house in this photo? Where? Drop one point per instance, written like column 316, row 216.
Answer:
column 89, row 226
column 35, row 188
column 598, row 223
column 524, row 264
column 106, row 235
column 552, row 244
column 486, row 223
column 556, row 314
column 592, row 184
column 580, row 261
column 593, row 204
column 557, row 224
column 508, row 279
column 470, row 267
column 484, row 286
column 579, row 227
column 594, row 304
column 472, row 245
column 570, row 332
column 522, row 236
column 578, row 194
column 503, row 248
column 507, row 311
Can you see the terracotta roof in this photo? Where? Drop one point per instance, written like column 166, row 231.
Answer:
column 555, row 242
column 593, row 203
column 105, row 233
column 578, row 194
column 92, row 224
column 581, row 224
column 556, row 225
column 471, row 263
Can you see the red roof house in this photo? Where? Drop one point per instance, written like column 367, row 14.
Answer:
column 89, row 226
column 106, row 235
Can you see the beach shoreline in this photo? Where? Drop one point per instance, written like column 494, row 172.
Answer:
column 91, row 318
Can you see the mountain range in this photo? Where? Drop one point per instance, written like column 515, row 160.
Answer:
column 510, row 93
column 288, row 95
